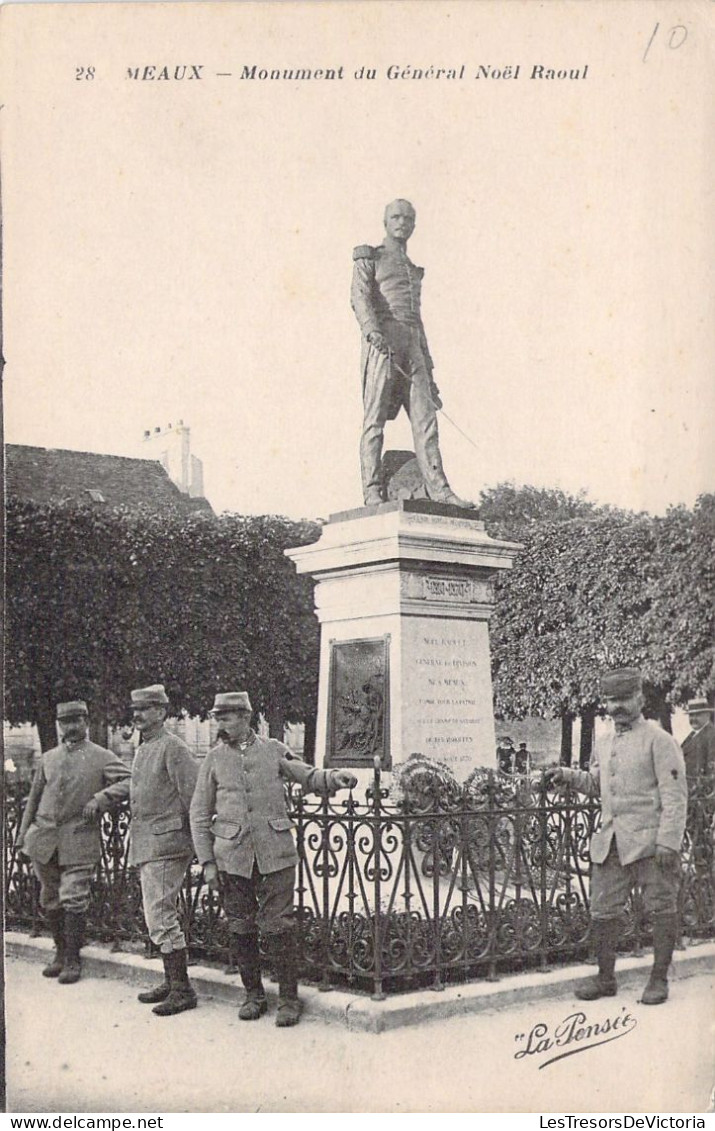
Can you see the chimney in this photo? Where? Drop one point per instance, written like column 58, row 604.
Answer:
column 171, row 446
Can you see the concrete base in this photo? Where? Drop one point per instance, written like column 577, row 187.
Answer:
column 360, row 1012
column 403, row 595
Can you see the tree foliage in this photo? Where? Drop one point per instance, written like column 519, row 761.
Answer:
column 514, row 512
column 602, row 589
column 101, row 601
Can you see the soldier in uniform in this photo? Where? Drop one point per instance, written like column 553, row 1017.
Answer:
column 163, row 780
column 396, row 363
column 243, row 837
column 639, row 773
column 73, row 784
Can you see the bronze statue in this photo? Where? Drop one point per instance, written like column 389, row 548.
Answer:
column 396, row 363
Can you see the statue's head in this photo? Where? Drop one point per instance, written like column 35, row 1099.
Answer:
column 400, row 219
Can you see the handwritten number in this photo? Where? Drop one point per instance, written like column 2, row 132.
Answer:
column 676, row 38
column 655, row 29
column 678, row 35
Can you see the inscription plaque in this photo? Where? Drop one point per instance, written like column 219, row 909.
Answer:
column 447, row 590
column 447, row 700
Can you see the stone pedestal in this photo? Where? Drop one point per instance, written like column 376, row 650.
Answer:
column 403, row 596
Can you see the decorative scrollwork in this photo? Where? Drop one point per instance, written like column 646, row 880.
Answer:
column 433, row 881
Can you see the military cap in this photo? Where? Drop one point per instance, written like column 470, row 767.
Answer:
column 696, row 705
column 153, row 696
column 622, row 681
column 71, row 709
column 232, row 701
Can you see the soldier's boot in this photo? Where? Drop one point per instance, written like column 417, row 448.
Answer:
column 249, row 965
column 74, row 935
column 665, row 933
column 605, row 932
column 284, row 949
column 56, row 923
column 160, row 992
column 181, row 995
column 231, row 966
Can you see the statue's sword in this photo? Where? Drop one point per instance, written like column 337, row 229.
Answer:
column 393, row 363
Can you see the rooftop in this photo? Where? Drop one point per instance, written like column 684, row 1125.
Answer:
column 46, row 475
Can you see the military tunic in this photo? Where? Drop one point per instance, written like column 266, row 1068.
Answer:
column 68, row 777
column 163, row 780
column 63, row 846
column 238, row 813
column 639, row 774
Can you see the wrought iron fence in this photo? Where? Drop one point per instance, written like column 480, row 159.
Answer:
column 429, row 883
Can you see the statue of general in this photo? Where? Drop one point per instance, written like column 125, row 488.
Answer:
column 396, row 363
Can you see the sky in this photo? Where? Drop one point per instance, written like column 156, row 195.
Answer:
column 184, row 250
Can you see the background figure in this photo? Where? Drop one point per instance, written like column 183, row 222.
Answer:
column 699, row 755
column 163, row 780
column 243, row 837
column 639, row 774
column 73, row 784
column 396, row 363
column 505, row 755
column 699, row 745
column 521, row 760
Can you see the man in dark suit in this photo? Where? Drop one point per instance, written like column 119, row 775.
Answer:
column 699, row 754
column 699, row 746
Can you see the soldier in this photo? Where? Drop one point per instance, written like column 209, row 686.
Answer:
column 639, row 773
column 75, row 782
column 163, row 779
column 396, row 363
column 242, row 835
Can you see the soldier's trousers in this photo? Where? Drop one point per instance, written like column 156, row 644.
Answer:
column 161, row 882
column 405, row 378
column 67, row 887
column 262, row 902
column 612, row 883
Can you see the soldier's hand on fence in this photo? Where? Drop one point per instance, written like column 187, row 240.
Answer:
column 211, row 876
column 667, row 859
column 20, row 848
column 91, row 811
column 344, row 779
column 379, row 341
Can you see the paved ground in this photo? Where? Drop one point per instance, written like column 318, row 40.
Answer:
column 92, row 1048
